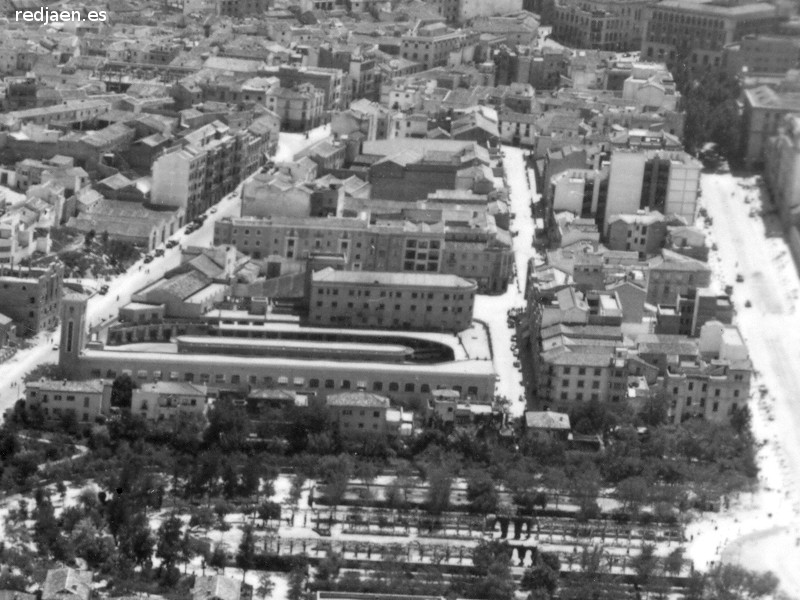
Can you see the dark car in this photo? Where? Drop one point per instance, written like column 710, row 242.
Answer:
column 103, row 290
column 171, row 244
column 148, row 258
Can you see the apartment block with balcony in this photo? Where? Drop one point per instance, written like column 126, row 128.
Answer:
column 600, row 24
column 300, row 108
column 713, row 385
column 782, row 168
column 32, row 297
column 208, row 163
column 431, row 45
column 425, row 301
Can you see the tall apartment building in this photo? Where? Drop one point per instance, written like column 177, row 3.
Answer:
column 657, row 180
column 782, row 168
column 764, row 111
column 762, row 54
column 300, row 108
column 697, row 32
column 431, row 45
column 330, row 81
column 428, row 301
column 600, row 24
column 208, row 163
column 31, row 297
column 483, row 255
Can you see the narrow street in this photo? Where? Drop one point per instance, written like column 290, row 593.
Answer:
column 493, row 310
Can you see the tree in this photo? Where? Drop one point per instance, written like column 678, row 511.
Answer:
column 540, row 577
column 168, row 546
column 366, row 471
column 269, row 510
column 245, row 557
column 265, row 585
column 297, row 489
column 187, row 550
column 673, row 563
column 482, row 494
column 221, row 509
column 250, row 482
column 218, row 558
column 440, row 485
column 202, row 518
column 338, row 471
column 88, row 238
column 88, row 543
column 136, row 540
column 104, row 239
column 122, row 391
column 297, row 579
column 492, row 560
column 633, row 493
column 328, row 568
column 645, row 564
column 732, row 582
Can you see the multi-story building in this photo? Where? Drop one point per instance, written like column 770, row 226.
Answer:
column 657, row 180
column 762, row 54
column 672, row 275
column 359, row 413
column 696, row 33
column 643, row 232
column 330, row 81
column 86, row 400
column 74, row 111
column 427, row 301
column 715, row 384
column 241, row 8
column 166, row 400
column 300, row 108
column 764, row 111
column 309, row 360
column 482, row 255
column 208, row 163
column 600, row 24
column 31, row 297
column 782, row 168
column 431, row 45
column 690, row 312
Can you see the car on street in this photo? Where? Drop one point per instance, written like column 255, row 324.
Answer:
column 516, row 364
column 748, row 304
column 739, row 278
column 103, row 290
column 213, row 210
column 171, row 244
column 160, row 252
column 148, row 258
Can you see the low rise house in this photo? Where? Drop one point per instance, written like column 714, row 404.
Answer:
column 216, row 587
column 547, row 426
column 86, row 400
column 361, row 413
column 67, row 584
column 167, row 400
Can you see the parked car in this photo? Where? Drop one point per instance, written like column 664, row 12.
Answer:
column 739, row 278
column 171, row 244
column 213, row 210
column 148, row 258
column 103, row 290
column 160, row 252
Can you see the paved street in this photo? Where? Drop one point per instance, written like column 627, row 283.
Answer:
column 771, row 327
